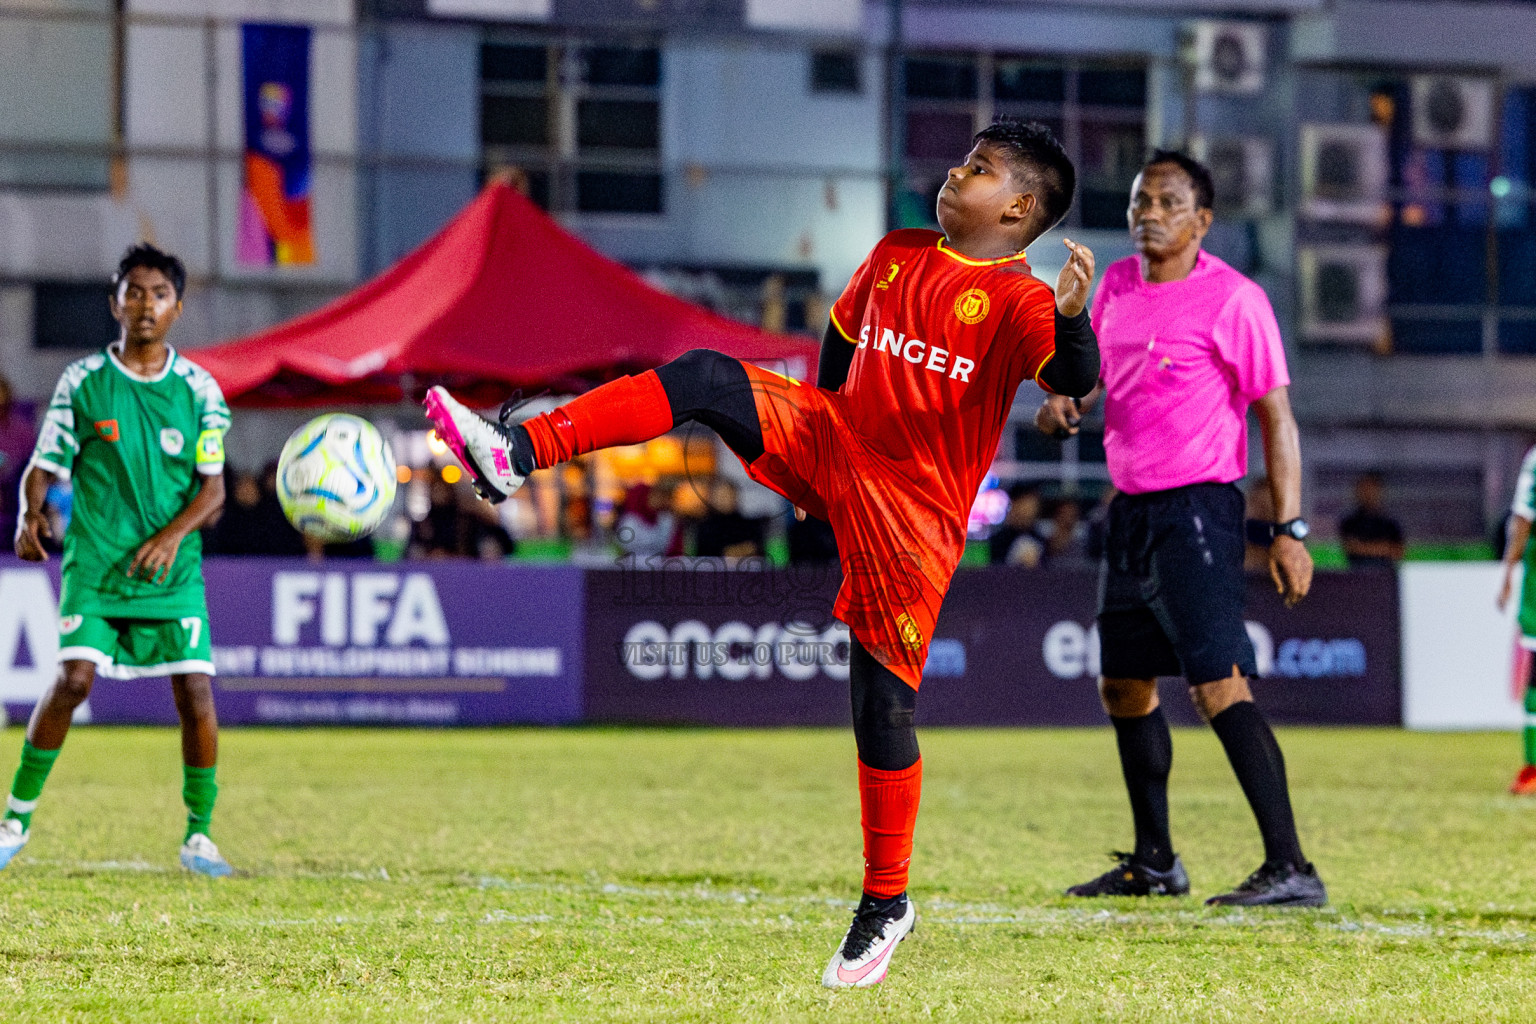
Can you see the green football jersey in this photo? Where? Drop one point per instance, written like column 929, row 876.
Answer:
column 134, row 447
column 1524, row 506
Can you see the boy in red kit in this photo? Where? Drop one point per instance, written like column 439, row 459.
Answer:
column 918, row 371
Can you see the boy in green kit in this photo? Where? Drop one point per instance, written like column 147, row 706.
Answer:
column 139, row 429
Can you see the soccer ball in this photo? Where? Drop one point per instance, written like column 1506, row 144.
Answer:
column 336, row 478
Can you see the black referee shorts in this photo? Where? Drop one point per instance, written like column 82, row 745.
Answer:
column 1171, row 593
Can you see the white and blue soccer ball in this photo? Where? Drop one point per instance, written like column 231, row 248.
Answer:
column 336, row 478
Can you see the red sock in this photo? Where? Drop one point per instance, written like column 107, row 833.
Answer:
column 889, row 802
column 624, row 411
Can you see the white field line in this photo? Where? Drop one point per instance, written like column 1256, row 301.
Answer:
column 937, row 911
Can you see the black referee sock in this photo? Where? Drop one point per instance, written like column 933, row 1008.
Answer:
column 1260, row 769
column 1146, row 757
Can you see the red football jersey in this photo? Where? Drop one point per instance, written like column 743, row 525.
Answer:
column 944, row 342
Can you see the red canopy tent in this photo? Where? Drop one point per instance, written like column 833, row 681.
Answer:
column 501, row 298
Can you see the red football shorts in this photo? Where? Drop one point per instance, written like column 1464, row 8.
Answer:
column 896, row 552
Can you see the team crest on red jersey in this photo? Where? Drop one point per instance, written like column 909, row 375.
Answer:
column 973, row 306
column 910, row 634
column 888, row 275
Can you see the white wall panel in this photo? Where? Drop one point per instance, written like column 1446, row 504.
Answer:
column 301, row 12
column 169, row 200
column 1457, row 648
column 167, row 86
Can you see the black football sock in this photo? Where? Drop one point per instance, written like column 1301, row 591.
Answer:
column 1260, row 769
column 1146, row 757
column 522, row 451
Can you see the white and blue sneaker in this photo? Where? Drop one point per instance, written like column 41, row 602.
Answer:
column 200, row 855
column 12, row 838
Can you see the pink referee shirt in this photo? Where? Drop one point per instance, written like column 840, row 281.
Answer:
column 1182, row 361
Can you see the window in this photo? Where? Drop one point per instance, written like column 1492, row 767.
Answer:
column 72, row 315
column 1456, row 215
column 1096, row 108
column 581, row 121
column 835, row 71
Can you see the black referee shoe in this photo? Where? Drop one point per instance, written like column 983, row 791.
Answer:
column 1131, row 877
column 1276, row 884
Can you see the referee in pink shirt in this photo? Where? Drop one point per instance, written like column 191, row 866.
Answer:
column 1188, row 344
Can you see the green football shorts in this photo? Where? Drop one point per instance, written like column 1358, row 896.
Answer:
column 137, row 648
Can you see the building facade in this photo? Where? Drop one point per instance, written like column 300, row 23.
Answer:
column 1375, row 164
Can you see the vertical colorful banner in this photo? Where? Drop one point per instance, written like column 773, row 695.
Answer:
column 274, row 225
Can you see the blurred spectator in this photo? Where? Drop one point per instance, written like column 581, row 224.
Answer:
column 811, row 541
column 234, row 531
column 1097, row 521
column 16, row 438
column 271, row 533
column 1371, row 537
column 646, row 526
column 1017, row 540
column 724, row 532
column 1064, row 534
column 436, row 535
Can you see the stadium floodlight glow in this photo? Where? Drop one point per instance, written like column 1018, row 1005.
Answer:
column 1500, row 187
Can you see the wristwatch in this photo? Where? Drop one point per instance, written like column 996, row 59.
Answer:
column 1296, row 529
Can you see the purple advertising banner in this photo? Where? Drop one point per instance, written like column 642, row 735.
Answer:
column 341, row 642
column 1013, row 647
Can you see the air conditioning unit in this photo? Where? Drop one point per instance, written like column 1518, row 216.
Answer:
column 1454, row 113
column 1243, row 171
column 1227, row 56
column 1344, row 295
column 1344, row 173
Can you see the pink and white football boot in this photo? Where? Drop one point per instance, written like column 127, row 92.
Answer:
column 484, row 448
column 865, row 954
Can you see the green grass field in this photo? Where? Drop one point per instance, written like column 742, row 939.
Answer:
column 592, row 875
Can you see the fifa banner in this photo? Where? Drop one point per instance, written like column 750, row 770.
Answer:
column 274, row 219
column 1013, row 647
column 340, row 642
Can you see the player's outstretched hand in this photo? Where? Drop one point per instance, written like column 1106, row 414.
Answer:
column 30, row 532
column 155, row 557
column 1075, row 279
column 1290, row 566
column 1057, row 416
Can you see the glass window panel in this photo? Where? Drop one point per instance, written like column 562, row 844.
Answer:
column 70, row 314
column 1102, row 208
column 1112, row 87
column 1517, row 268
column 1029, row 445
column 941, row 78
column 939, row 134
column 835, row 71
column 618, row 124
column 1029, row 80
column 1438, row 266
column 514, row 120
column 501, row 62
column 1437, row 337
column 1518, row 336
column 618, row 192
column 621, row 65
column 1111, row 155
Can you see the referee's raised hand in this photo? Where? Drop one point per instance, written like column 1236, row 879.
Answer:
column 1075, row 279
